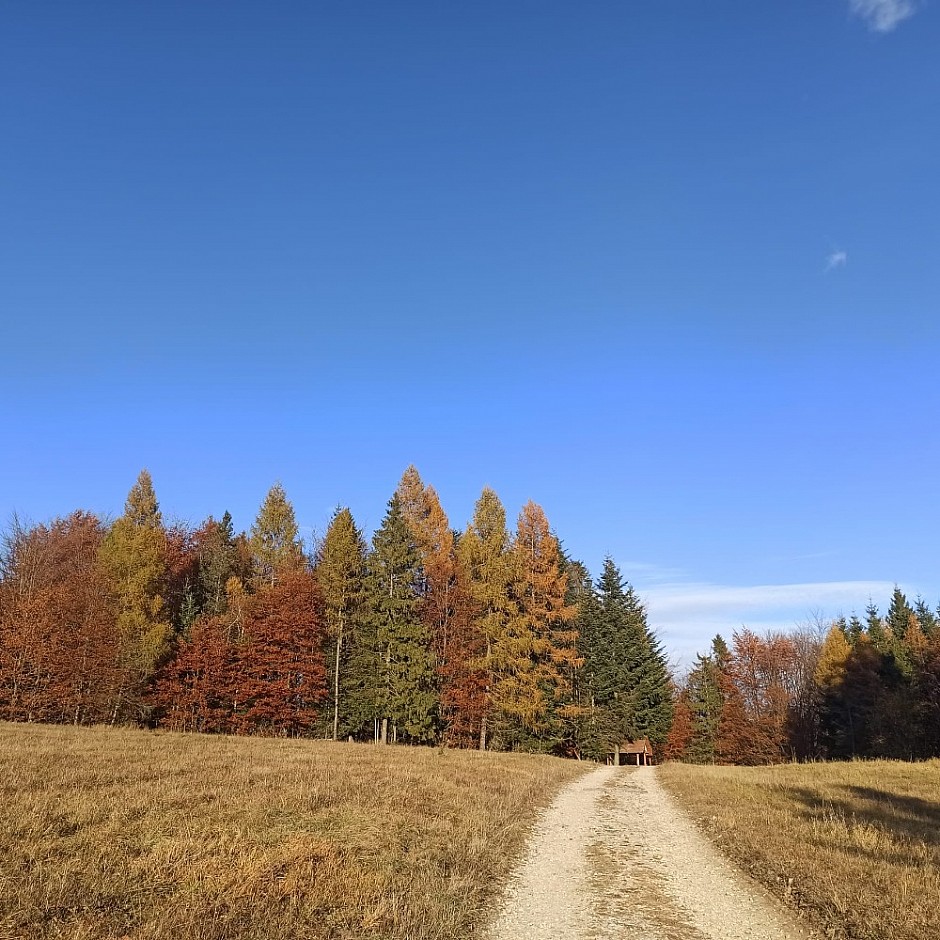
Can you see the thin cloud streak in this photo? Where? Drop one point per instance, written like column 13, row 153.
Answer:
column 883, row 16
column 685, row 598
column 648, row 573
column 686, row 615
column 838, row 259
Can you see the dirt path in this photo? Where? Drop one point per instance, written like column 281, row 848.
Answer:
column 614, row 856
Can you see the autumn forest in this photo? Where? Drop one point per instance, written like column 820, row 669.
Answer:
column 490, row 638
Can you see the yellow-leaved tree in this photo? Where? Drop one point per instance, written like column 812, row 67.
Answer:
column 833, row 657
column 275, row 541
column 504, row 640
column 133, row 557
column 546, row 621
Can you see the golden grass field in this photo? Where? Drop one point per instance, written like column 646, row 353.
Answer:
column 117, row 833
column 857, row 845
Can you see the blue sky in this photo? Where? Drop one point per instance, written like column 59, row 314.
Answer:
column 669, row 269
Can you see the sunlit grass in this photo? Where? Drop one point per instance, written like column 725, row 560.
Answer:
column 108, row 833
column 856, row 844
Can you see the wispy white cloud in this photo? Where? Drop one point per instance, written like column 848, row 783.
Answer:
column 883, row 16
column 641, row 572
column 687, row 615
column 686, row 598
column 837, row 259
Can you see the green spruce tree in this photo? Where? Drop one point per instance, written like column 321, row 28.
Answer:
column 703, row 692
column 925, row 617
column 628, row 676
column 406, row 697
column 875, row 628
column 854, row 629
column 340, row 570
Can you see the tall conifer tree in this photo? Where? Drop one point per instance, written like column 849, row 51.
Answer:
column 629, row 676
column 406, row 699
column 543, row 677
column 704, row 696
column 483, row 551
column 275, row 542
column 341, row 573
column 445, row 608
column 133, row 554
column 875, row 628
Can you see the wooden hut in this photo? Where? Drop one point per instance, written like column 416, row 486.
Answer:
column 632, row 753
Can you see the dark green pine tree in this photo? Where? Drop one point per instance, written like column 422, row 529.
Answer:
column 405, row 699
column 925, row 617
column 900, row 618
column 854, row 629
column 874, row 627
column 625, row 670
column 599, row 727
column 575, row 716
column 703, row 690
column 218, row 561
column 899, row 614
column 351, row 670
column 899, row 707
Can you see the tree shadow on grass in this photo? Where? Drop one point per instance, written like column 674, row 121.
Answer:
column 904, row 817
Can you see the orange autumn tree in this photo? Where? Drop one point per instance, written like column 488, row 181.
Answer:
column 681, row 730
column 434, row 538
column 445, row 609
column 521, row 625
column 195, row 690
column 545, row 636
column 182, row 575
column 758, row 706
column 58, row 637
column 256, row 669
column 280, row 676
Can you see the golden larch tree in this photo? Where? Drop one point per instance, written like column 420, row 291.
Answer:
column 546, row 622
column 133, row 556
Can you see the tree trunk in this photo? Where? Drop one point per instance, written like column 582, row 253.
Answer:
column 339, row 645
column 388, row 662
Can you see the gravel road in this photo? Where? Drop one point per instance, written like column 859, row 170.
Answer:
column 614, row 856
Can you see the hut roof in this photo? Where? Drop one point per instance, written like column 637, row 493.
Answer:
column 636, row 747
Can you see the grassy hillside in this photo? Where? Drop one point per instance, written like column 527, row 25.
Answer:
column 129, row 834
column 858, row 844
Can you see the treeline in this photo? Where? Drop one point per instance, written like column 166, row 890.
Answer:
column 485, row 638
column 855, row 689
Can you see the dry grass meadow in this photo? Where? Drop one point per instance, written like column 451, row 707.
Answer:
column 116, row 833
column 856, row 845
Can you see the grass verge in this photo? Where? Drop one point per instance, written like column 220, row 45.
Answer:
column 857, row 844
column 117, row 833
